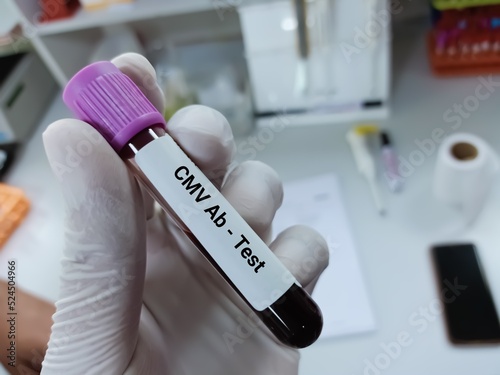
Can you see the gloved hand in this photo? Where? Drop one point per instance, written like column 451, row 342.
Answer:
column 136, row 296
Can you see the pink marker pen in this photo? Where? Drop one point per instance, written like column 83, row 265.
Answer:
column 108, row 100
column 390, row 162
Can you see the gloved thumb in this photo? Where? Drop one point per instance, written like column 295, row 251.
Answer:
column 97, row 315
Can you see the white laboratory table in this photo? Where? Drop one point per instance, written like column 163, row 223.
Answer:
column 393, row 250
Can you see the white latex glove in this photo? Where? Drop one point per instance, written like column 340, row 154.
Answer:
column 136, row 296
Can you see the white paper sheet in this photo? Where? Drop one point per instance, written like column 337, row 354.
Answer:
column 340, row 292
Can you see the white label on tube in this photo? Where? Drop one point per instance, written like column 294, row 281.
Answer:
column 247, row 261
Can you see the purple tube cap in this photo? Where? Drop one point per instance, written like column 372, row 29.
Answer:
column 101, row 95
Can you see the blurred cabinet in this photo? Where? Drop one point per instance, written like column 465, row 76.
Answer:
column 66, row 45
column 346, row 70
column 342, row 77
column 26, row 90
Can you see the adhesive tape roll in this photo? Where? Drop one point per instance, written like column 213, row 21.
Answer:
column 465, row 168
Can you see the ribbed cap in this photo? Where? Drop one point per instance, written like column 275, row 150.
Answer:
column 107, row 99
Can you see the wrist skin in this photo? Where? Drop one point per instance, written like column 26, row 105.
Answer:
column 32, row 330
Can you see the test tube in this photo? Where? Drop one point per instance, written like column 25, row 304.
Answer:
column 107, row 99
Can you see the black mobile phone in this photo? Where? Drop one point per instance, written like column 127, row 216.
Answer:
column 469, row 308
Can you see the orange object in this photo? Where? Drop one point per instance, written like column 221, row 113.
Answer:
column 467, row 64
column 465, row 42
column 54, row 10
column 13, row 209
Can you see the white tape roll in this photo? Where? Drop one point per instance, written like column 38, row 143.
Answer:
column 465, row 168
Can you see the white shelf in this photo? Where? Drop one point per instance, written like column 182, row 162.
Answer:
column 137, row 11
column 65, row 44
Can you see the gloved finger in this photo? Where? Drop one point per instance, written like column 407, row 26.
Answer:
column 142, row 73
column 97, row 315
column 254, row 189
column 304, row 252
column 256, row 192
column 206, row 137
